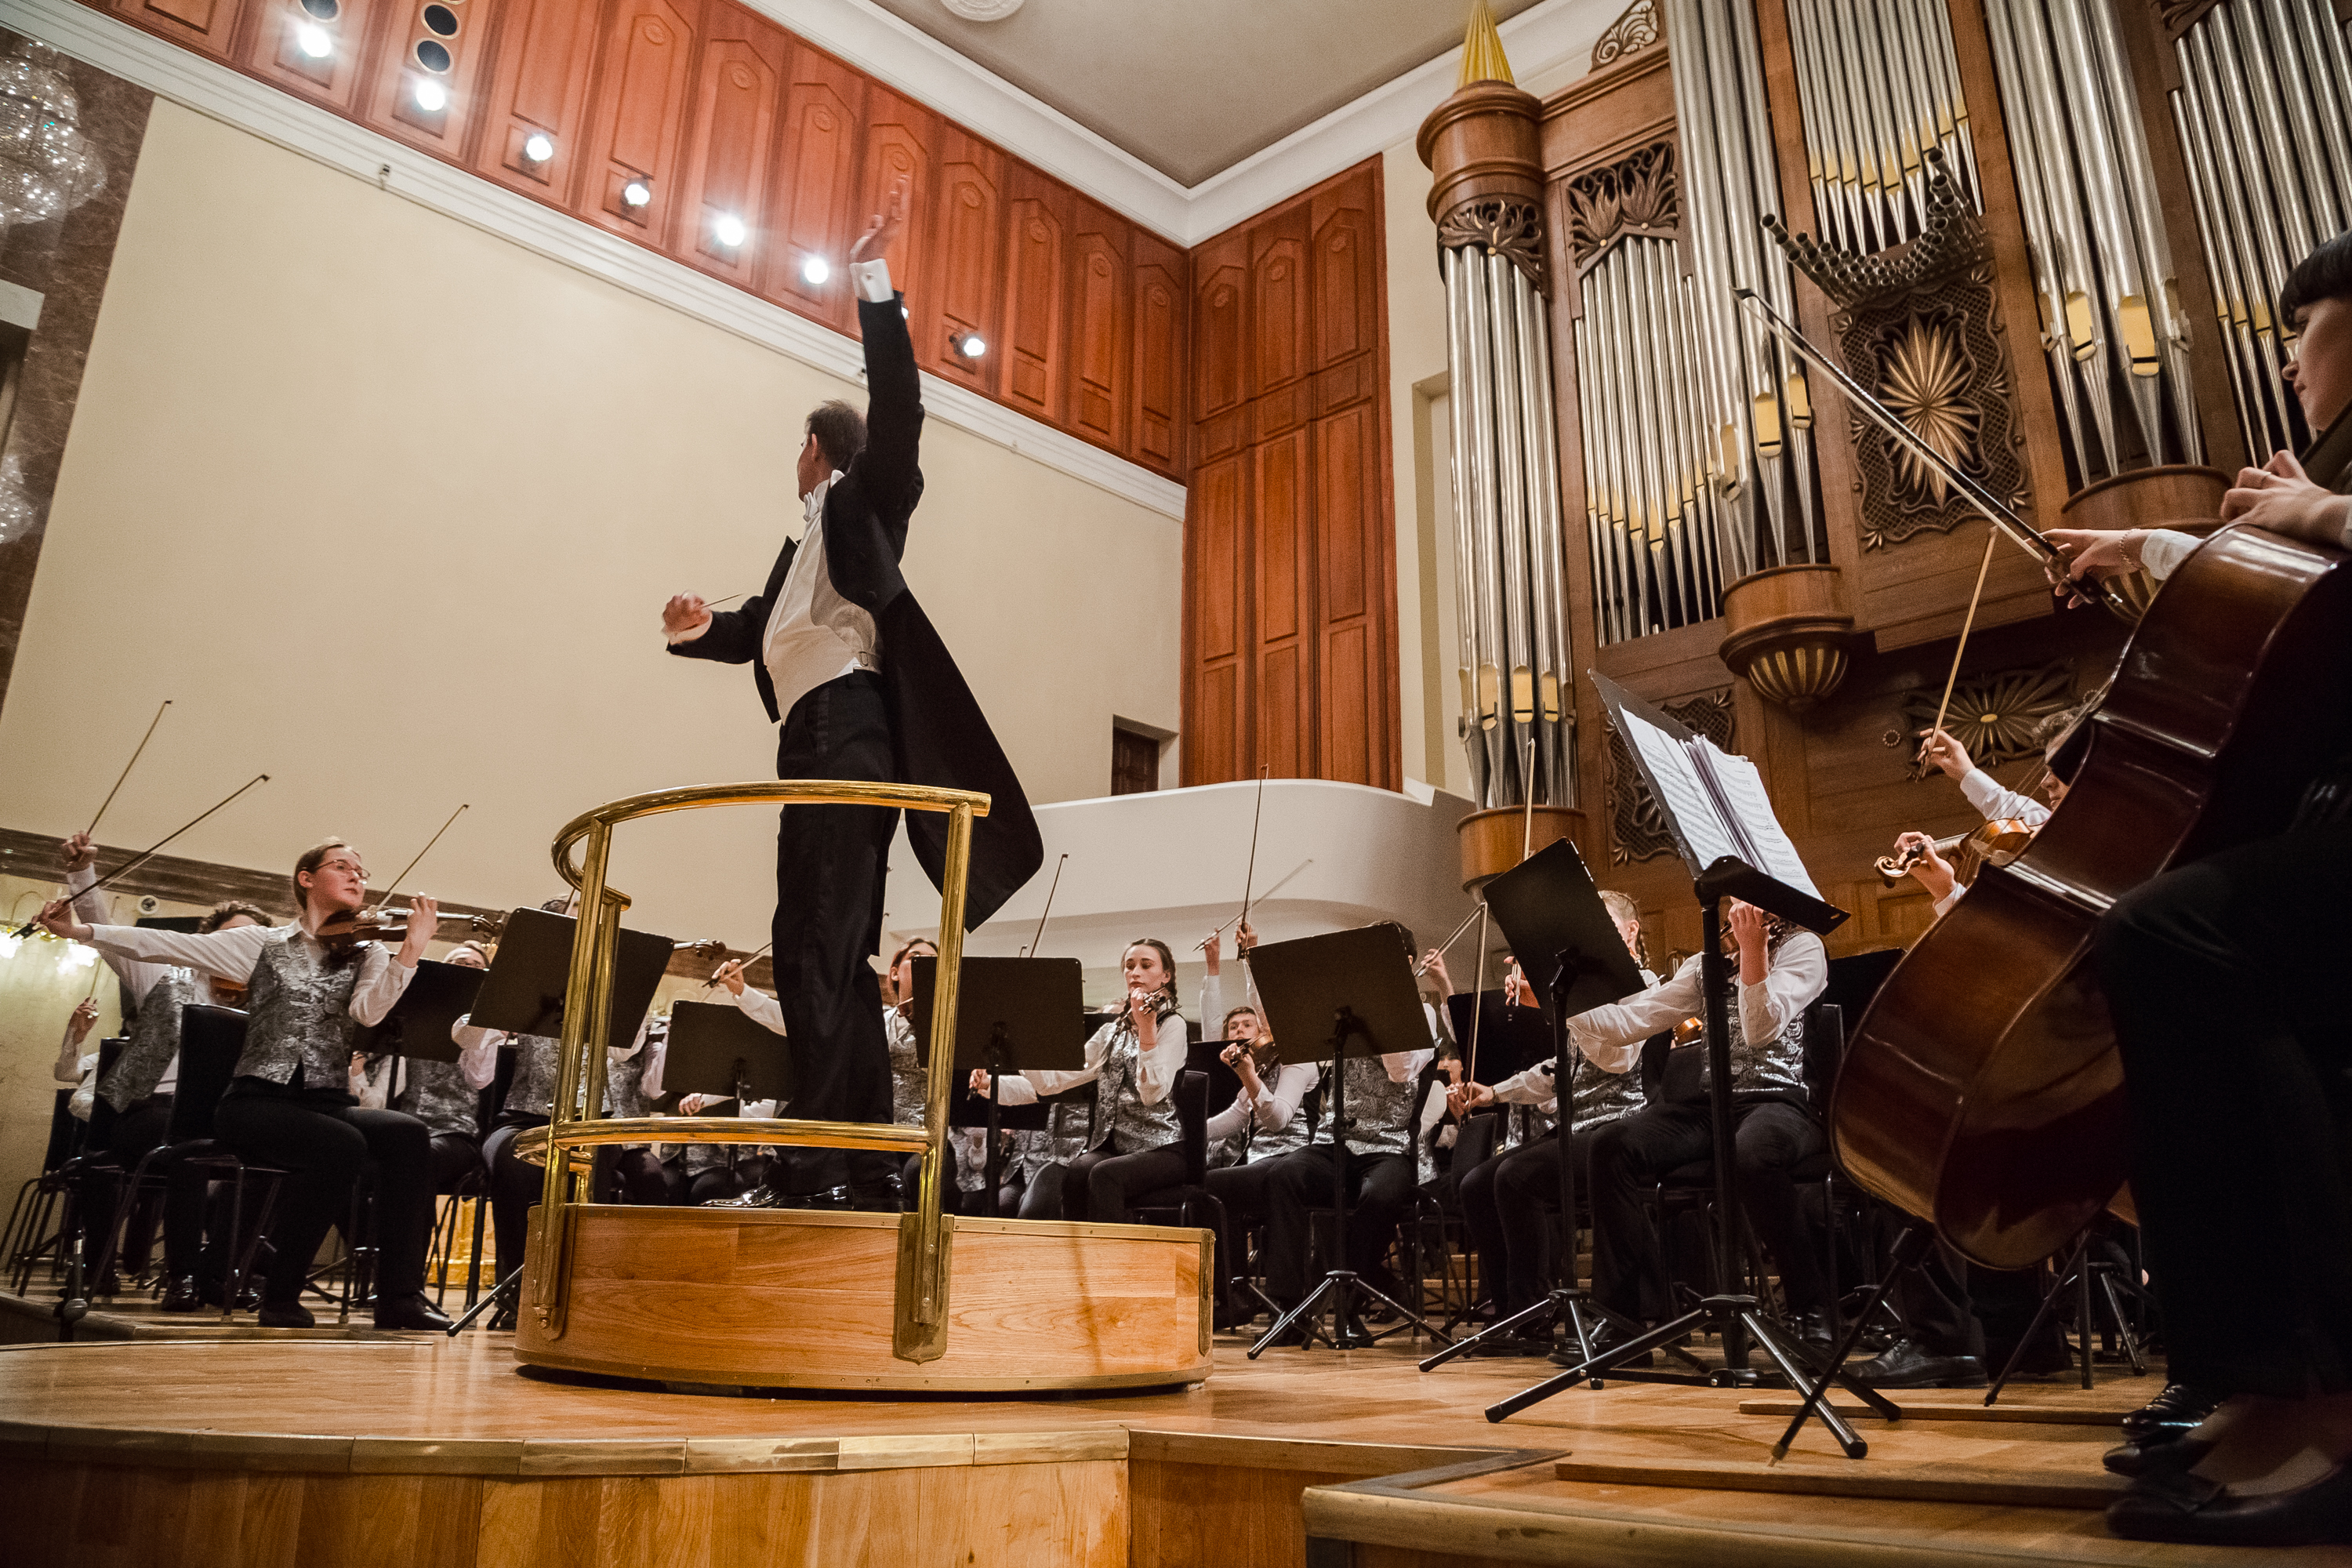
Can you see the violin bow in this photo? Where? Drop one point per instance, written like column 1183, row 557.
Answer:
column 1256, row 814
column 1051, row 890
column 125, row 775
column 747, row 962
column 421, row 853
column 1527, row 839
column 1996, row 510
column 29, row 927
column 1967, row 623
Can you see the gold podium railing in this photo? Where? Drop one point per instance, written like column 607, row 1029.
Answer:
column 920, row 1322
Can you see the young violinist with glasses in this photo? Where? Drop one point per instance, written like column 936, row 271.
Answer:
column 290, row 1104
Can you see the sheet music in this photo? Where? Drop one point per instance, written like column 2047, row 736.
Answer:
column 1706, row 837
column 1753, row 820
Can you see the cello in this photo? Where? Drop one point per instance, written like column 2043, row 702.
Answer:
column 1982, row 1088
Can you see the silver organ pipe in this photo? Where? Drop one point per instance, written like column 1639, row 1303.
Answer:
column 2265, row 87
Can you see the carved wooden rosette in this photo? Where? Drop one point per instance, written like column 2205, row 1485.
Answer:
column 1918, row 325
column 1637, row 828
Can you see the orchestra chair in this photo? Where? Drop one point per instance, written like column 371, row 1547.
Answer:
column 207, row 1062
column 1474, row 1144
column 1190, row 1203
column 67, row 1187
column 29, row 1234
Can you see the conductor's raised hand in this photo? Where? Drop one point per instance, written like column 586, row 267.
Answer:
column 886, row 226
column 685, row 616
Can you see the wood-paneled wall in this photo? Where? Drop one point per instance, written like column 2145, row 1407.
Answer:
column 720, row 112
column 1290, row 654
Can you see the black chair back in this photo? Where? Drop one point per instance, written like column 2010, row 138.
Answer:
column 101, row 1113
column 494, row 1097
column 1474, row 1144
column 65, row 1132
column 211, row 1040
column 1192, row 1122
column 1653, row 1064
column 1824, row 1052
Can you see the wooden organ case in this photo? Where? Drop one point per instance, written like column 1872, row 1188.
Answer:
column 2056, row 227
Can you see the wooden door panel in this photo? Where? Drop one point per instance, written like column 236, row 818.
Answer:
column 1279, row 304
column 1160, row 294
column 1343, row 286
column 1215, row 585
column 1037, row 295
column 969, row 266
column 637, row 104
column 538, row 87
column 1101, row 337
column 1279, row 505
column 208, row 26
column 736, row 91
column 810, row 210
column 274, row 51
column 433, row 44
column 1351, row 697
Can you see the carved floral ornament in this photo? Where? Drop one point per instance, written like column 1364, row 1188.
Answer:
column 1512, row 230
column 1639, row 194
column 1998, row 715
column 1924, row 377
column 1633, row 31
column 1637, row 828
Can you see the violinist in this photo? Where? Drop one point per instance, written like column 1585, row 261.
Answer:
column 1136, row 1144
column 143, row 1083
column 1507, row 1202
column 1918, row 855
column 2220, row 977
column 1781, row 971
column 290, row 1104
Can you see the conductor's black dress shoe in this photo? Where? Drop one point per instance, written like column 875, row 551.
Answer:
column 762, row 1196
column 2178, row 1505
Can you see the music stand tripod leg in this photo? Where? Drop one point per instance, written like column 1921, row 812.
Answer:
column 2041, row 1316
column 1909, row 1249
column 498, row 1292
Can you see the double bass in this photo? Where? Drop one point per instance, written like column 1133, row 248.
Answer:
column 1982, row 1088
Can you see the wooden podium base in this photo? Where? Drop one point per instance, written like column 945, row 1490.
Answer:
column 802, row 1299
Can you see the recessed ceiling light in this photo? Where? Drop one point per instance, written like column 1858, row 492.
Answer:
column 816, row 271
column 313, row 41
column 432, row 97
column 637, row 192
column 973, row 346
column 728, row 228
column 539, row 147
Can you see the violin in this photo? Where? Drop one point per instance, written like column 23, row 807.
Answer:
column 1994, row 843
column 342, row 933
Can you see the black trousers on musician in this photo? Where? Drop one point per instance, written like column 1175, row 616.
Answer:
column 1508, row 1204
column 1379, row 1186
column 1102, row 1183
column 1246, row 1193
column 451, row 1157
column 326, row 1141
column 138, row 1132
column 830, row 863
column 1770, row 1138
column 514, row 1186
column 2222, row 977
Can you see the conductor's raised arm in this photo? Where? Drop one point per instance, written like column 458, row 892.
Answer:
column 886, row 472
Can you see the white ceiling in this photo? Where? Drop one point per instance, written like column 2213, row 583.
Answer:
column 1193, row 89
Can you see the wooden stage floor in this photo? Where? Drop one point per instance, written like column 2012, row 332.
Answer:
column 420, row 1449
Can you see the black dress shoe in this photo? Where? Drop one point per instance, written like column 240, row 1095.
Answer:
column 410, row 1312
column 502, row 1318
column 1907, row 1364
column 1606, row 1336
column 285, row 1315
column 837, row 1198
column 1514, row 1344
column 182, row 1295
column 2136, row 1459
column 2174, row 1413
column 759, row 1197
column 2182, row 1506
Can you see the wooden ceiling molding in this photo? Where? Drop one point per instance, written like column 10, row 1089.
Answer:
column 715, row 116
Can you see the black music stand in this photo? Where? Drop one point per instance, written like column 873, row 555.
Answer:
column 523, row 991
column 1012, row 1015
column 1549, row 905
column 1721, row 818
column 715, row 1048
column 419, row 1023
column 1357, row 986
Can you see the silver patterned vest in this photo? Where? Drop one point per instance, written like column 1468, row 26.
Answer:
column 1272, row 1143
column 437, row 1094
column 908, row 1096
column 1777, row 1066
column 531, row 1091
column 1119, row 1109
column 1377, row 1108
column 154, row 1038
column 300, row 1007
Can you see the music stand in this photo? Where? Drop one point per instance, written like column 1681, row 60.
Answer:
column 419, row 1023
column 1548, row 905
column 1356, row 988
column 1012, row 1015
column 716, row 1049
column 1721, row 820
column 523, row 991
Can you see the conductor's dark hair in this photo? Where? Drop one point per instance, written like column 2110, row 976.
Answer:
column 839, row 429
column 2324, row 274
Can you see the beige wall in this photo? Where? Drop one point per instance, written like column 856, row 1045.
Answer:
column 388, row 507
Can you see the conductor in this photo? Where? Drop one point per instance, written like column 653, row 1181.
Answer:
column 844, row 656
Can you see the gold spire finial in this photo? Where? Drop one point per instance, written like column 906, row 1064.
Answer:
column 1481, row 49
